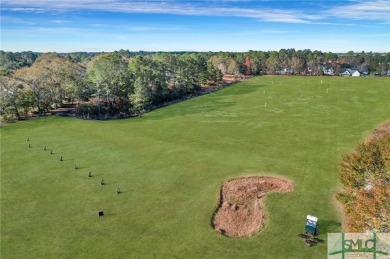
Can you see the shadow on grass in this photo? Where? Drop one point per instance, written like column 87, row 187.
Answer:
column 206, row 103
column 215, row 212
column 95, row 175
column 241, row 89
column 127, row 191
column 328, row 226
column 198, row 106
column 80, row 168
column 106, row 215
column 121, row 192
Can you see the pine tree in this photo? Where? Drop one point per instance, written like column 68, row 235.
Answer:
column 141, row 98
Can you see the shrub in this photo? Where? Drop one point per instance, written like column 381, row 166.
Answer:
column 365, row 174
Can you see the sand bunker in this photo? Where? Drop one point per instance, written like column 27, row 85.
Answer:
column 240, row 211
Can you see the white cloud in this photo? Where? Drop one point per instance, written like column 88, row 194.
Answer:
column 15, row 20
column 262, row 32
column 371, row 10
column 200, row 8
column 25, row 9
column 378, row 10
column 59, row 21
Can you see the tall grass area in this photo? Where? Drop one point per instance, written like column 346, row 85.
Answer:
column 170, row 165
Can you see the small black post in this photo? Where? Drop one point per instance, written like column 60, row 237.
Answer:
column 44, row 149
column 61, row 159
column 101, row 214
column 102, row 182
column 118, row 190
column 29, row 145
column 90, row 174
column 51, row 152
column 75, row 166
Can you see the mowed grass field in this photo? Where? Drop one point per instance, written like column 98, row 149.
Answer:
column 170, row 165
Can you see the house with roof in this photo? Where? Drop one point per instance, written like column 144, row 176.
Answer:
column 329, row 71
column 287, row 71
column 349, row 72
column 356, row 73
column 385, row 73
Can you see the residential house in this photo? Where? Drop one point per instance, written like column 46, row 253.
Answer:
column 329, row 71
column 349, row 72
column 286, row 71
column 356, row 73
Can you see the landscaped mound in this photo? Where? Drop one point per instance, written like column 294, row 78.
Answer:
column 240, row 211
column 365, row 174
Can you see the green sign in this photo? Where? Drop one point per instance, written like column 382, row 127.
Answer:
column 358, row 245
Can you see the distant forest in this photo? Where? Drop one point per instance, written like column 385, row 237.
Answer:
column 124, row 83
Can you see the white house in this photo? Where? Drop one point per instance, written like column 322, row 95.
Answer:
column 286, row 71
column 356, row 73
column 349, row 72
column 328, row 71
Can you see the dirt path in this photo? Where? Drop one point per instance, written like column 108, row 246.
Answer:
column 240, row 213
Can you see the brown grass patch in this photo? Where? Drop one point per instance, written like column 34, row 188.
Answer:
column 379, row 133
column 240, row 211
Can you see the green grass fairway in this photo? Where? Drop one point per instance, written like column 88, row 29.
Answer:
column 170, row 165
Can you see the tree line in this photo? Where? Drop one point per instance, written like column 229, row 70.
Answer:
column 124, row 83
column 291, row 61
column 109, row 85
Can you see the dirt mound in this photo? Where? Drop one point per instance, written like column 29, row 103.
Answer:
column 240, row 211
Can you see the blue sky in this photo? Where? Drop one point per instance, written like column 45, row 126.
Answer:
column 197, row 25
